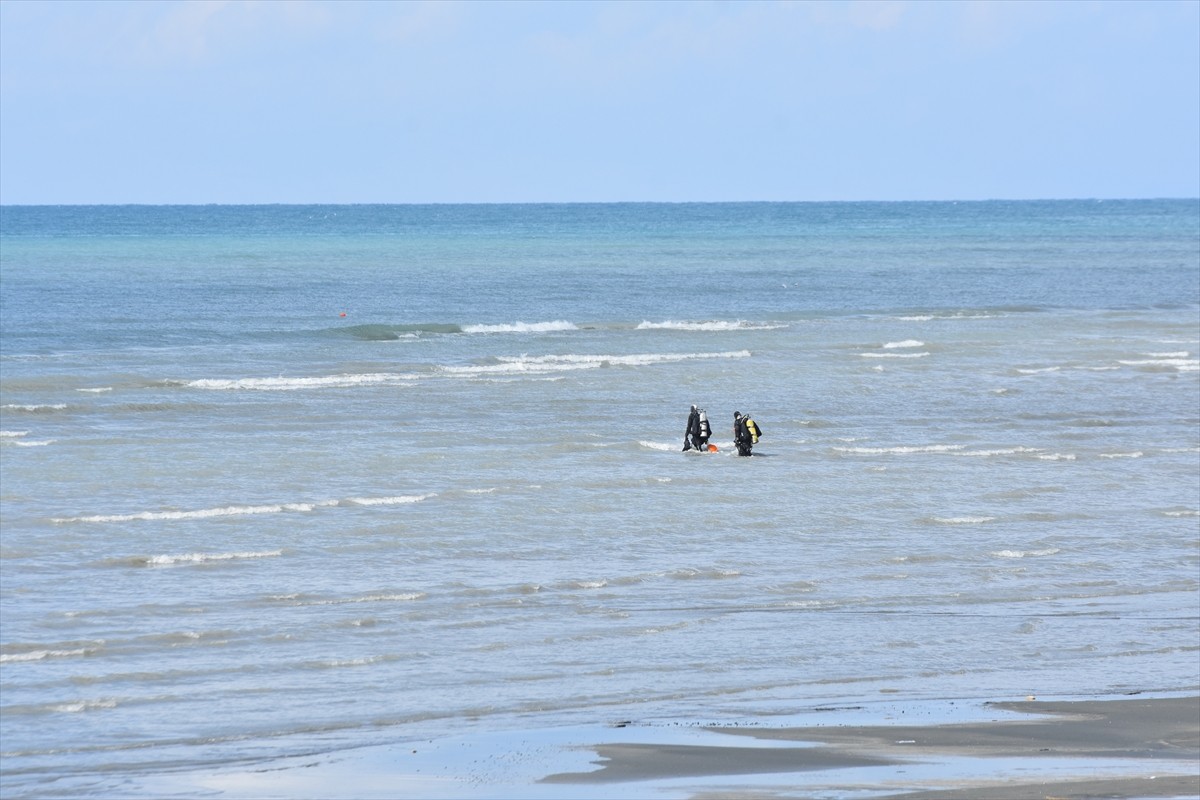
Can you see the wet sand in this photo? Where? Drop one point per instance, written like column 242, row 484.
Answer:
column 1127, row 748
column 1137, row 747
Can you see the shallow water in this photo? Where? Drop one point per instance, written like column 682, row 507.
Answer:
column 239, row 525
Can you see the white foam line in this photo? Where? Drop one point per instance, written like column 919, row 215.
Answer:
column 1182, row 364
column 83, row 705
column 205, row 513
column 388, row 501
column 282, row 384
column 199, row 558
column 374, row 598
column 715, row 325
column 1025, row 553
column 523, row 327
column 40, row 655
column 933, row 448
column 962, row 520
column 904, row 344
column 558, row 363
column 931, row 317
column 894, row 355
column 234, row 511
column 508, row 365
column 1011, row 451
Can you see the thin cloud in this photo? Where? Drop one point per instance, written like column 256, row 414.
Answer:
column 203, row 31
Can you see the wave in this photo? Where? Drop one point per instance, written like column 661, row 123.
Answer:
column 282, row 384
column 967, row 520
column 36, row 408
column 500, row 365
column 387, row 501
column 204, row 513
column 636, row 360
column 388, row 333
column 955, row 316
column 17, row 438
column 905, row 343
column 83, row 705
column 382, row 332
column 894, row 355
column 299, row 600
column 1177, row 361
column 1025, row 553
column 557, row 363
column 902, row 450
column 1008, row 451
column 712, row 325
column 236, row 511
column 200, row 558
column 522, row 327
column 42, row 655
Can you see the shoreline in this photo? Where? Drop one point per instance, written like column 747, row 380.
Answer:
column 1128, row 747
column 1153, row 743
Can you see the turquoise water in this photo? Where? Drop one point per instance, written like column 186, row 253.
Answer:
column 240, row 526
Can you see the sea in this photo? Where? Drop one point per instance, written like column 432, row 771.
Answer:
column 295, row 480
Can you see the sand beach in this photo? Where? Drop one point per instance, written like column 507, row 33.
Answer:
column 1132, row 747
column 1159, row 737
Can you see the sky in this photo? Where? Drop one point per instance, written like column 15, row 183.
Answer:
column 273, row 101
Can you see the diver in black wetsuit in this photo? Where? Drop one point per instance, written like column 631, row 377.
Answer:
column 698, row 431
column 741, row 435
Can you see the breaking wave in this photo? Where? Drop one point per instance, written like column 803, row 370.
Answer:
column 499, row 365
column 236, row 511
column 712, row 325
column 904, row 450
column 522, row 327
column 200, row 558
column 1025, row 553
column 291, row 384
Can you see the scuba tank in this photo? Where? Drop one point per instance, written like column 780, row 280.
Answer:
column 752, row 429
column 705, row 430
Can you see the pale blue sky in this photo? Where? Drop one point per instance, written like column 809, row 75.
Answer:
column 359, row 102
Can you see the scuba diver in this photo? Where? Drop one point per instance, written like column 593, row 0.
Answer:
column 745, row 433
column 697, row 432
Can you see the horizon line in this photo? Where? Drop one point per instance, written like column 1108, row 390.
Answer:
column 584, row 202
